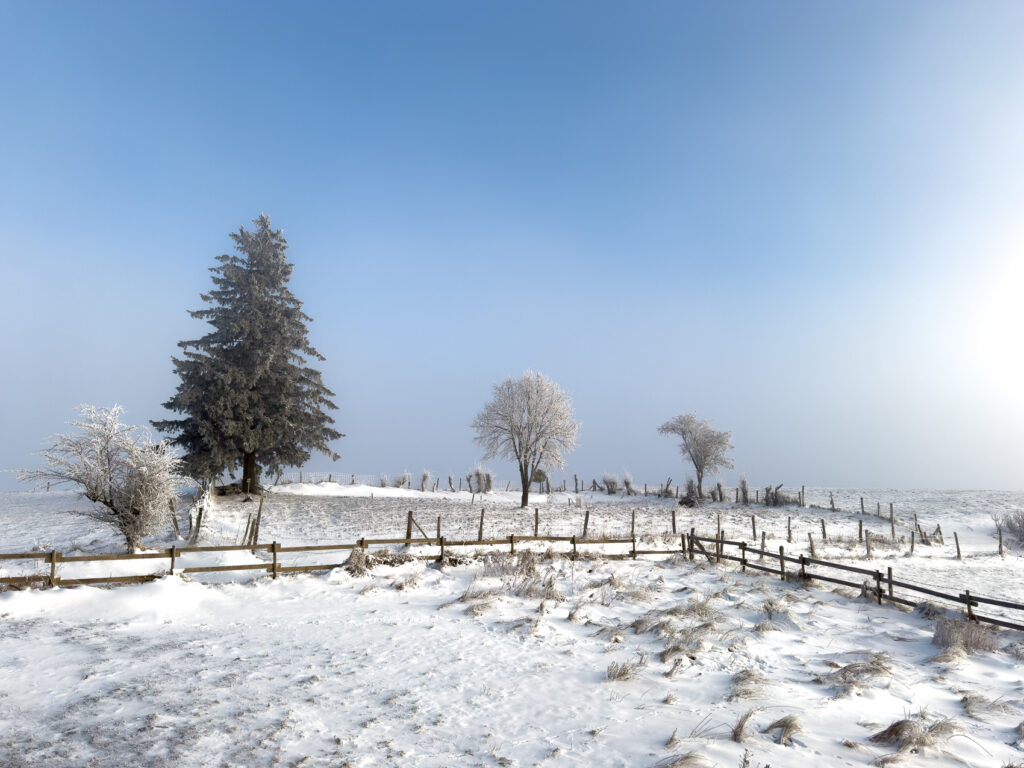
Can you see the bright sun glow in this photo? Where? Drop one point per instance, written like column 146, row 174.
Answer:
column 997, row 333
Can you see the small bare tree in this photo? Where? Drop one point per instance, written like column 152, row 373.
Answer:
column 529, row 420
column 703, row 446
column 119, row 467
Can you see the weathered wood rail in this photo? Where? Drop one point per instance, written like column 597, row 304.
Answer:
column 880, row 586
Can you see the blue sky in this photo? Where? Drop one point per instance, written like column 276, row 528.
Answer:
column 801, row 221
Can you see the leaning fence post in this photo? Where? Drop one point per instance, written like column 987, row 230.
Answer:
column 782, row 562
column 957, row 540
column 586, row 523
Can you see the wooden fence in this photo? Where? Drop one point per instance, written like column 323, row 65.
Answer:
column 881, row 586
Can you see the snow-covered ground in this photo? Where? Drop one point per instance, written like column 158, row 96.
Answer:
column 497, row 661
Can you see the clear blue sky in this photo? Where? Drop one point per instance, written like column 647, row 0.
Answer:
column 801, row 221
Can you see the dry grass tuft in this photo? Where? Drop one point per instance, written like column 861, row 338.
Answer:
column 859, row 674
column 361, row 561
column 930, row 610
column 911, row 735
column 673, row 740
column 976, row 706
column 767, row 626
column 686, row 640
column 747, row 684
column 968, row 636
column 627, row 670
column 787, row 727
column 739, row 729
column 686, row 760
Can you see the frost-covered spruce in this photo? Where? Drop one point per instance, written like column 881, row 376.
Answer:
column 247, row 395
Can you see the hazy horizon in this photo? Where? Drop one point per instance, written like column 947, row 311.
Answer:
column 800, row 222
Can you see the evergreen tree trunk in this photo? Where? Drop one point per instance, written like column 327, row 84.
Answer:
column 250, row 473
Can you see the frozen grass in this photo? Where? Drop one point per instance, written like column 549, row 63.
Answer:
column 966, row 636
column 857, row 675
column 739, row 728
column 787, row 727
column 915, row 736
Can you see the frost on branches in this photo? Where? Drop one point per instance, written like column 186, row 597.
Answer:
column 529, row 421
column 703, row 446
column 119, row 467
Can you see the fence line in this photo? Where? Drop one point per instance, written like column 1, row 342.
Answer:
column 690, row 545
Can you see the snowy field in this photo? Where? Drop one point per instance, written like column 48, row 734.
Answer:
column 507, row 662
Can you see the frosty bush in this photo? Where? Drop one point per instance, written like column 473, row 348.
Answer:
column 425, row 479
column 1014, row 524
column 402, row 480
column 481, row 480
column 383, row 480
column 611, row 483
column 744, row 490
column 119, row 467
column 627, row 481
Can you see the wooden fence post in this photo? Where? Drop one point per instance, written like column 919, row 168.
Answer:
column 860, row 530
column 673, row 520
column 54, row 556
column 761, row 556
column 913, row 536
column 692, row 533
column 632, row 527
column 273, row 549
column 408, row 528
column 957, row 540
column 721, row 545
column 1000, row 541
column 753, row 526
column 889, row 574
column 586, row 523
column 438, row 526
column 810, row 538
column 682, row 543
column 782, row 562
column 878, row 586
column 737, row 495
column 867, row 542
column 803, row 496
column 574, row 548
column 803, row 567
column 743, row 556
column 512, row 543
column 824, row 535
column 536, row 521
column 480, row 534
column 862, row 505
column 970, row 611
column 878, row 509
column 440, row 558
column 174, row 555
column 789, row 530
column 892, row 522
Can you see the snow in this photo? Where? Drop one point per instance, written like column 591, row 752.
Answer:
column 482, row 664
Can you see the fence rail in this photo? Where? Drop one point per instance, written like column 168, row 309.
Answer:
column 690, row 545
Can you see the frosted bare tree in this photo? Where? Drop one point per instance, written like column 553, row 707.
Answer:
column 530, row 421
column 703, row 446
column 130, row 478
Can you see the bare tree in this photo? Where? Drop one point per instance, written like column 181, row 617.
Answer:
column 702, row 445
column 119, row 467
column 529, row 420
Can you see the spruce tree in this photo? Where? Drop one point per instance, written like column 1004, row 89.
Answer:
column 247, row 396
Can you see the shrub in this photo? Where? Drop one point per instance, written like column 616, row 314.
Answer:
column 611, row 483
column 383, row 480
column 1014, row 524
column 744, row 490
column 425, row 479
column 627, row 481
